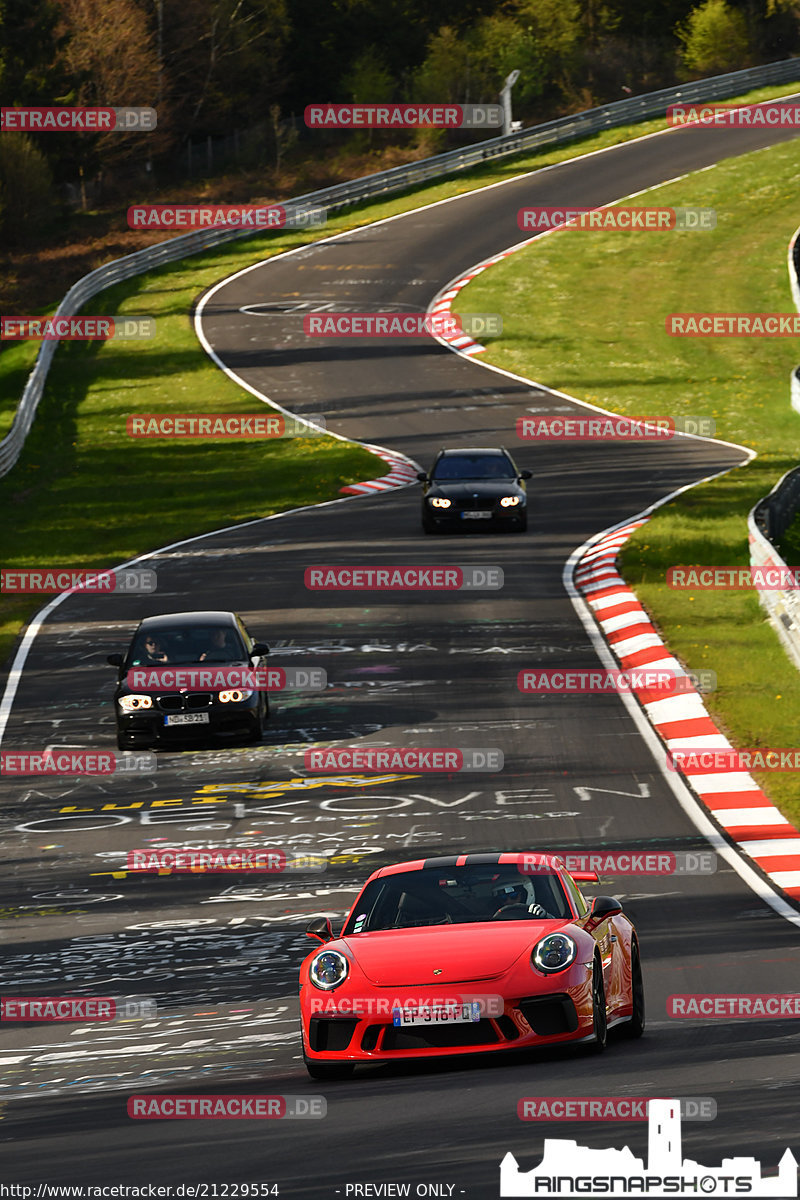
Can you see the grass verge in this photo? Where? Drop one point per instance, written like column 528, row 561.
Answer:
column 619, row 356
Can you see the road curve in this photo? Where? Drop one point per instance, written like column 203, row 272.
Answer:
column 427, row 669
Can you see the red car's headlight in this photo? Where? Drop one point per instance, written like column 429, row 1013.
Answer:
column 328, row 969
column 553, row 953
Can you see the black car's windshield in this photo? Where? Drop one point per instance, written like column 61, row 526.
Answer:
column 191, row 644
column 474, row 466
column 458, row 895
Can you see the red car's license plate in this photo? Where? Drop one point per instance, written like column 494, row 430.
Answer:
column 437, row 1014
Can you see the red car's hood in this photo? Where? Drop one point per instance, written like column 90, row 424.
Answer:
column 462, row 953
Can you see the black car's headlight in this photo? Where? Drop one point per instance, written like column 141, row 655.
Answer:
column 235, row 695
column 135, row 703
column 510, row 501
column 440, row 502
column 328, row 969
column 553, row 953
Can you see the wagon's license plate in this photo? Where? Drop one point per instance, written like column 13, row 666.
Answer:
column 186, row 719
column 437, row 1014
column 476, row 516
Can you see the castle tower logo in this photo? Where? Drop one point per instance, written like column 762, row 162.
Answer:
column 568, row 1169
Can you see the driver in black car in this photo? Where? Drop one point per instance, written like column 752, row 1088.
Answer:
column 219, row 649
column 514, row 896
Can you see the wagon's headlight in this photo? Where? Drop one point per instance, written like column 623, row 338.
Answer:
column 328, row 969
column 234, row 695
column 135, row 703
column 440, row 502
column 555, row 952
column 509, row 501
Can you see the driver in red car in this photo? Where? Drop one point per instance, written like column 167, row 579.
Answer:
column 515, row 896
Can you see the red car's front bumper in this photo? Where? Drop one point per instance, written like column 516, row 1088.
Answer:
column 369, row 1036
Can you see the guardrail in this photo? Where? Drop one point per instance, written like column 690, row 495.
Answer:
column 771, row 517
column 340, row 195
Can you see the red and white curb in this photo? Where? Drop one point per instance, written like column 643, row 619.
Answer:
column 403, row 471
column 443, row 303
column 733, row 798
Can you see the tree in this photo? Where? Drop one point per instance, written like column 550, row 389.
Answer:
column 714, row 38
column 108, row 52
column 223, row 61
column 26, row 188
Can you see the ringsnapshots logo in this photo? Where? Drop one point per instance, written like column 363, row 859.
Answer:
column 31, row 581
column 767, row 115
column 223, row 426
column 666, row 681
column 440, row 578
column 608, row 427
column 77, row 119
column 568, row 1169
column 651, row 220
column 443, row 324
column 221, row 860
column 226, row 1108
column 404, row 116
column 608, row 1108
column 408, row 758
column 55, row 760
column 733, row 579
column 226, row 680
column 77, row 1009
column 226, row 216
column 77, row 329
column 743, row 325
column 622, row 862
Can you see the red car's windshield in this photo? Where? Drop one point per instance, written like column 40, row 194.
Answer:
column 457, row 895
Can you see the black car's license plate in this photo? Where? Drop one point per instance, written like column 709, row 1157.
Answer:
column 475, row 516
column 186, row 719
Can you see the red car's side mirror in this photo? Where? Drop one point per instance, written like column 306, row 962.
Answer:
column 602, row 908
column 320, row 929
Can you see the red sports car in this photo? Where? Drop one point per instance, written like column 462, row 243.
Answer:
column 467, row 954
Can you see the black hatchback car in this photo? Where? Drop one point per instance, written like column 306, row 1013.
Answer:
column 475, row 487
column 185, row 639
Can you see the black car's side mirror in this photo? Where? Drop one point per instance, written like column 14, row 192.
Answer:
column 422, row 477
column 526, row 474
column 602, row 908
column 321, row 929
column 115, row 660
column 259, row 648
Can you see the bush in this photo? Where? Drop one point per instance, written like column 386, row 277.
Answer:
column 26, row 188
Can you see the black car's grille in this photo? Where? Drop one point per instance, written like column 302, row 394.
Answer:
column 177, row 701
column 473, row 503
column 550, row 1015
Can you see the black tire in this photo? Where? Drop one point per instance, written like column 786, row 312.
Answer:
column 523, row 523
column 635, row 1027
column 427, row 526
column 599, row 1016
column 257, row 736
